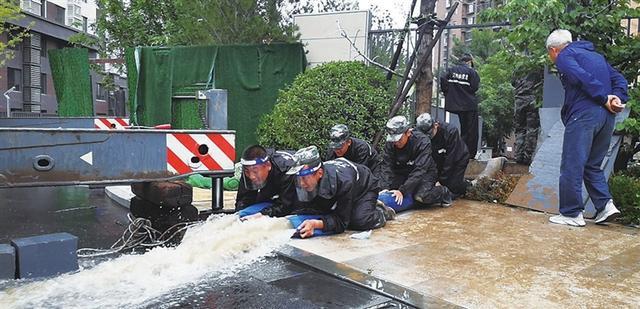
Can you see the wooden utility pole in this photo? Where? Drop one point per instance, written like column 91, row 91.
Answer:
column 424, row 83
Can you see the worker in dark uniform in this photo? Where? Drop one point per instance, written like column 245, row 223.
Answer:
column 409, row 172
column 459, row 86
column 343, row 145
column 448, row 151
column 341, row 193
column 264, row 182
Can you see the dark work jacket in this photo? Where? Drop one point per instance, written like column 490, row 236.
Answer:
column 449, row 150
column 341, row 186
column 414, row 162
column 279, row 187
column 587, row 78
column 359, row 152
column 459, row 86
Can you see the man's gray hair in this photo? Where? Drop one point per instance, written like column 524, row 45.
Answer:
column 559, row 38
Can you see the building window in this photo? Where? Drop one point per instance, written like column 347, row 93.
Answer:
column 60, row 12
column 101, row 93
column 14, row 78
column 447, row 3
column 32, row 6
column 43, row 83
column 74, row 16
column 84, row 24
column 471, row 8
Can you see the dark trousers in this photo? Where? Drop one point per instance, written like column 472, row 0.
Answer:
column 455, row 179
column 469, row 130
column 587, row 136
column 365, row 215
column 426, row 193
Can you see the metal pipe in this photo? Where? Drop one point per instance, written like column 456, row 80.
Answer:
column 469, row 26
column 398, row 51
column 217, row 194
column 6, row 95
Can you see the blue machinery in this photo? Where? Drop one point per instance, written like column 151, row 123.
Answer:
column 104, row 151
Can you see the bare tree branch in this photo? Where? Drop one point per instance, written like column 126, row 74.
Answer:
column 353, row 44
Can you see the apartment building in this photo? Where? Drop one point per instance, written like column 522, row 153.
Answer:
column 52, row 23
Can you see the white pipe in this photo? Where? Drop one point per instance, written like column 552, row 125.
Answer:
column 6, row 95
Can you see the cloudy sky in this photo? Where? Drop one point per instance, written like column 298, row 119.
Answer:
column 397, row 8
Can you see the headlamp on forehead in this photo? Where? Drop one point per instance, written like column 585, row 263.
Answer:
column 256, row 161
column 308, row 170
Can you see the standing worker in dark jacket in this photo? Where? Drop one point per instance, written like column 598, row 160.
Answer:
column 343, row 194
column 594, row 93
column 409, row 171
column 264, row 180
column 459, row 86
column 343, row 145
column 448, row 151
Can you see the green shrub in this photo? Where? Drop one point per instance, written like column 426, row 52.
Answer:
column 338, row 92
column 493, row 190
column 625, row 191
column 633, row 171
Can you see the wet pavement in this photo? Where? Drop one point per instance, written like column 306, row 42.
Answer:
column 275, row 283
column 487, row 255
column 81, row 211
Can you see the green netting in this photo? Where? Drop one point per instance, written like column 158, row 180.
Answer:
column 251, row 74
column 132, row 82
column 71, row 80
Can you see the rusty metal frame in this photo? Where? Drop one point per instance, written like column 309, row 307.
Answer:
column 54, row 157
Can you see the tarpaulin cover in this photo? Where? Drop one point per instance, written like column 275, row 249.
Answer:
column 71, row 80
column 252, row 75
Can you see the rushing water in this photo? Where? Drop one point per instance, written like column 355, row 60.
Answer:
column 212, row 250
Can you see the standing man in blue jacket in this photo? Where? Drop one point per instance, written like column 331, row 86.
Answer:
column 594, row 93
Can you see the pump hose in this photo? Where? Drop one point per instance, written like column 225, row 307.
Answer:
column 139, row 233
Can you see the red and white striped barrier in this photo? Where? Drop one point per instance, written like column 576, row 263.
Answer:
column 187, row 152
column 111, row 123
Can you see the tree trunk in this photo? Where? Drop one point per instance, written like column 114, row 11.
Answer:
column 424, row 83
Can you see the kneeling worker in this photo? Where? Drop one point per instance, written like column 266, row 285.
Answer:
column 448, row 151
column 343, row 145
column 264, row 183
column 409, row 171
column 341, row 193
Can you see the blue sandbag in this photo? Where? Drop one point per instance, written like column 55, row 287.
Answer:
column 297, row 220
column 254, row 209
column 390, row 201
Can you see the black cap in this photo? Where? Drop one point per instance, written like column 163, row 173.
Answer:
column 466, row 58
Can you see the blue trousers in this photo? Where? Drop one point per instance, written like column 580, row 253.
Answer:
column 587, row 137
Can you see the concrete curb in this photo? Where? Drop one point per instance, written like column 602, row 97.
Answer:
column 349, row 274
column 122, row 195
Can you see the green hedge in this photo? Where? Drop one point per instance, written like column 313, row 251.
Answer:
column 337, row 92
column 625, row 191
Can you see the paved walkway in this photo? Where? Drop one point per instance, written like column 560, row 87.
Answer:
column 485, row 255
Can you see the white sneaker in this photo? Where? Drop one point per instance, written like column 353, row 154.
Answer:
column 608, row 214
column 575, row 221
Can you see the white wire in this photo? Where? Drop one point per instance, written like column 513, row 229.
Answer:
column 139, row 233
